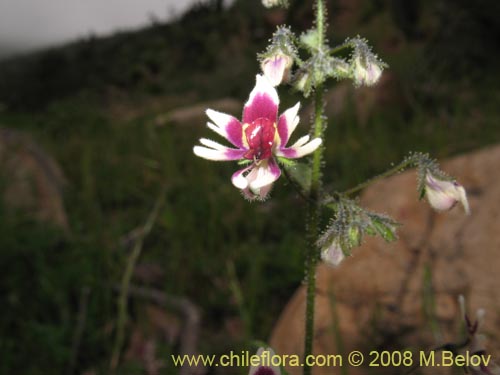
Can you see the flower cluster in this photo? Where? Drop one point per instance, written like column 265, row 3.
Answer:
column 349, row 224
column 259, row 139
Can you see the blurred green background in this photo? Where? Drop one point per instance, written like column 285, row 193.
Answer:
column 103, row 108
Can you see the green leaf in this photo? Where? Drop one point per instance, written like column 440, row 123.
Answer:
column 386, row 230
column 301, row 174
column 354, row 236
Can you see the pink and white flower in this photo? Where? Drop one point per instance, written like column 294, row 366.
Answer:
column 259, row 138
column 443, row 195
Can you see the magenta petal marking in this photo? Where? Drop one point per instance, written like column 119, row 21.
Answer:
column 288, row 153
column 275, row 169
column 287, row 123
column 262, row 106
column 231, row 128
column 234, row 154
column 234, row 132
column 283, row 129
column 262, row 103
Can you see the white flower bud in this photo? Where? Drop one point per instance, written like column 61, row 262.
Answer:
column 366, row 71
column 277, row 68
column 332, row 254
column 443, row 195
column 271, row 3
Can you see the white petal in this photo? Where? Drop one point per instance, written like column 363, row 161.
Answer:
column 308, row 147
column 301, row 141
column 217, row 155
column 212, row 144
column 227, row 126
column 462, row 197
column 265, row 174
column 298, row 152
column 216, row 129
column 239, row 179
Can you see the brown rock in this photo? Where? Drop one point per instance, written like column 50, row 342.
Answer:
column 404, row 295
column 32, row 179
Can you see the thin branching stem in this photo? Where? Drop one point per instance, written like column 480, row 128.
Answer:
column 396, row 169
column 127, row 276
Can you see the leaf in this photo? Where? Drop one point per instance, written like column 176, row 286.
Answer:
column 301, row 174
column 385, row 227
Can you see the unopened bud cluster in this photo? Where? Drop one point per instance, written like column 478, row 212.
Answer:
column 347, row 228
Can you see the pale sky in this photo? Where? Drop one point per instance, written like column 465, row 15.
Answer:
column 27, row 24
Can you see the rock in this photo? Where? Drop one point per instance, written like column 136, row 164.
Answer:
column 196, row 113
column 32, row 180
column 404, row 295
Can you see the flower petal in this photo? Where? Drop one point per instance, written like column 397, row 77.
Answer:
column 262, row 103
column 227, row 126
column 263, row 175
column 301, row 141
column 295, row 152
column 212, row 144
column 218, row 155
column 287, row 123
column 239, row 179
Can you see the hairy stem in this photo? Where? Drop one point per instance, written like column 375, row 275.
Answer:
column 313, row 209
column 127, row 276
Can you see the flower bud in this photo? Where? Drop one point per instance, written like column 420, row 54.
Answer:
column 276, row 68
column 333, row 253
column 443, row 195
column 273, row 3
column 366, row 71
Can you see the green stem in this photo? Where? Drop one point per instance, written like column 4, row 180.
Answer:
column 127, row 276
column 340, row 48
column 396, row 169
column 313, row 209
